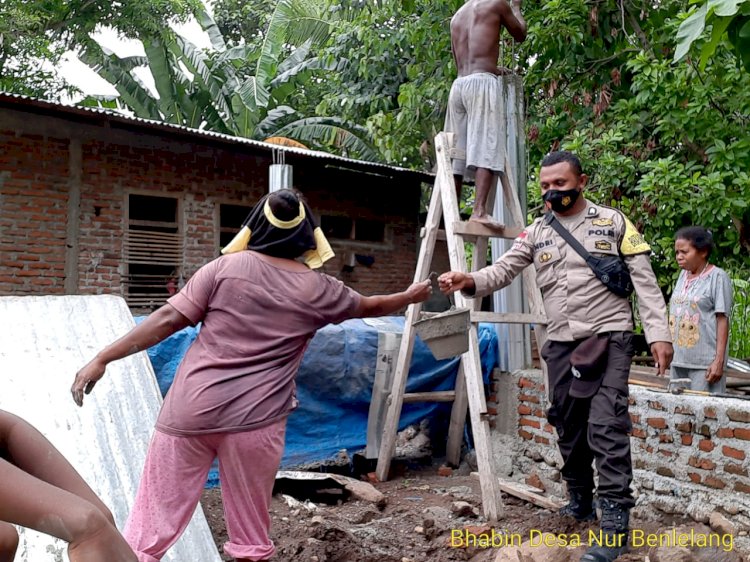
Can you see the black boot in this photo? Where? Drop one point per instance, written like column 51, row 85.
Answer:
column 612, row 540
column 580, row 507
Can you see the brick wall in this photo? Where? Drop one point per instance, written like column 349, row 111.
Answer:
column 690, row 453
column 33, row 207
column 36, row 180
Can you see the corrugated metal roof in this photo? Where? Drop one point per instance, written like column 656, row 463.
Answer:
column 43, row 342
column 16, row 101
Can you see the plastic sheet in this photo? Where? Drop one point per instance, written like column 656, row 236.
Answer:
column 335, row 382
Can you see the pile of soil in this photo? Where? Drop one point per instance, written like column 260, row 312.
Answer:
column 423, row 508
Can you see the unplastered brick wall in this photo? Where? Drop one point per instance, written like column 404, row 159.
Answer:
column 43, row 160
column 690, row 453
column 33, row 207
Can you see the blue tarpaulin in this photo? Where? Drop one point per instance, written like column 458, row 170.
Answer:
column 335, row 381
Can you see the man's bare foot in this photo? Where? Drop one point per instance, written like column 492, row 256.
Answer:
column 483, row 219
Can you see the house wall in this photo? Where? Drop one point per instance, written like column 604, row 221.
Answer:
column 691, row 454
column 63, row 204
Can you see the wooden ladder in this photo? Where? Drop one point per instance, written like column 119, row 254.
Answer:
column 469, row 390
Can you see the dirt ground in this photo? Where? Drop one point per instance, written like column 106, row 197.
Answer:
column 415, row 525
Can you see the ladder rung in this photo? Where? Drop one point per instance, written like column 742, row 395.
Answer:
column 497, row 317
column 437, row 396
column 508, row 317
column 476, row 230
column 440, row 233
column 493, row 230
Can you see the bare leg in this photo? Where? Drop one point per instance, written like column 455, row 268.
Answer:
column 459, row 180
column 25, row 446
column 484, row 180
column 33, row 494
column 8, row 542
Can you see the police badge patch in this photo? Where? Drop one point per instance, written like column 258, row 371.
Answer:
column 602, row 222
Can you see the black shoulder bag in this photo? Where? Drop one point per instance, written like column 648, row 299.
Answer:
column 610, row 270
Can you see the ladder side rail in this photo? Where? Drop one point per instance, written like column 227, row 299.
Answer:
column 470, row 361
column 401, row 372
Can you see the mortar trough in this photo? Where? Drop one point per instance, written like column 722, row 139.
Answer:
column 446, row 334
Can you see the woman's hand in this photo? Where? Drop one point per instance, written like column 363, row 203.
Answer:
column 86, row 378
column 715, row 371
column 419, row 292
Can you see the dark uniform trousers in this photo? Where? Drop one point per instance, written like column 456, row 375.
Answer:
column 596, row 428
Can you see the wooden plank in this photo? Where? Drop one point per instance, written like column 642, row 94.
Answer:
column 527, row 493
column 155, row 224
column 508, row 317
column 160, row 256
column 153, row 252
column 639, row 375
column 144, row 261
column 388, row 347
column 434, row 396
column 152, row 235
column 480, row 230
column 169, row 245
column 458, row 420
column 644, row 369
column 424, row 262
column 440, row 234
column 519, row 491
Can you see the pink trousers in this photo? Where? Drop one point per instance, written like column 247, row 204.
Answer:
column 172, row 483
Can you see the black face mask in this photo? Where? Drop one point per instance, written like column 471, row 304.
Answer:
column 561, row 200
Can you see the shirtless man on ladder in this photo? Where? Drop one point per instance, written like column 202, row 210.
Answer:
column 475, row 105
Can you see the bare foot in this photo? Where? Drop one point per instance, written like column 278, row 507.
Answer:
column 482, row 219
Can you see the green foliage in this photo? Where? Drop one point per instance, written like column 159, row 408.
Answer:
column 739, row 340
column 665, row 143
column 36, row 31
column 241, row 90
column 728, row 19
column 397, row 71
column 243, row 21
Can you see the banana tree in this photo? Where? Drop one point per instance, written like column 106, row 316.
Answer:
column 213, row 89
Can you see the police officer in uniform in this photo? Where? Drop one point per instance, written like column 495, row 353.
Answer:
column 593, row 423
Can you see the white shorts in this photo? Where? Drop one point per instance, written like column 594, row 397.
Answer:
column 476, row 114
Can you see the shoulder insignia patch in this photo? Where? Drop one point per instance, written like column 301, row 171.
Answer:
column 633, row 241
column 602, row 222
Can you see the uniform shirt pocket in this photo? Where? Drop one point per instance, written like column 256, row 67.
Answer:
column 545, row 259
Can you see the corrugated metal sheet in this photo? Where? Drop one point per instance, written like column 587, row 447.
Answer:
column 114, row 117
column 43, row 342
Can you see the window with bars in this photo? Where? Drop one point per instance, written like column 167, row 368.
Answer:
column 153, row 250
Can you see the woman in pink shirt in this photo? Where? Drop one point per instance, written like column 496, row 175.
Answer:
column 234, row 389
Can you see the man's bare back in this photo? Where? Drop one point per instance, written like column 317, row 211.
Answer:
column 475, row 33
